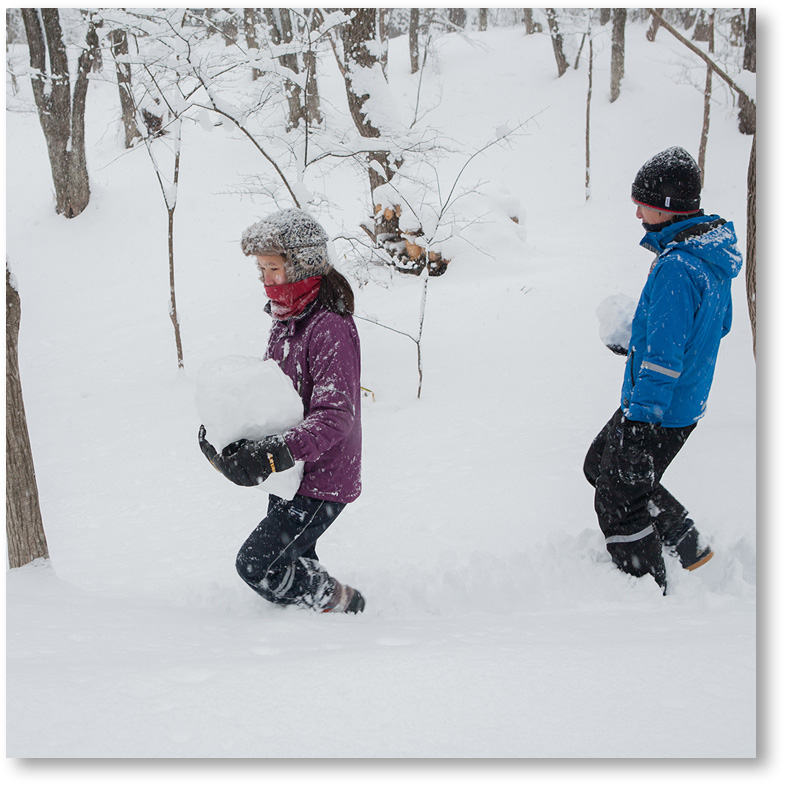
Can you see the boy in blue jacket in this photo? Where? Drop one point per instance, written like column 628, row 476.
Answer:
column 683, row 313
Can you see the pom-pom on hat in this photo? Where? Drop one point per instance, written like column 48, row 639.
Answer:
column 296, row 236
column 670, row 182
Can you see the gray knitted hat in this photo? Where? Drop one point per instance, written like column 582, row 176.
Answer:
column 294, row 235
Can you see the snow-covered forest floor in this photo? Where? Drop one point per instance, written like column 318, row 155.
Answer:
column 495, row 625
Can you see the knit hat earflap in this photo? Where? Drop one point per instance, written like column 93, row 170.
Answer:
column 670, row 182
column 296, row 236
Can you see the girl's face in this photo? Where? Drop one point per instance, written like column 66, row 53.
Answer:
column 272, row 269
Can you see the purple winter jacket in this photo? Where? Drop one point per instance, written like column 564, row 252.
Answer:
column 320, row 352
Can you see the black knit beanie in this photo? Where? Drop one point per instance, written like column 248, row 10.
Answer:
column 670, row 182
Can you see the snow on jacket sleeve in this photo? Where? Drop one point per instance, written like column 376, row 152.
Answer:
column 334, row 366
column 673, row 300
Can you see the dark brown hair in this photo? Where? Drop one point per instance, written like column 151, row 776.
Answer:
column 336, row 293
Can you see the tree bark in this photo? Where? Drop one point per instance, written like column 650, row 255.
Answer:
column 23, row 524
column 357, row 35
column 651, row 33
column 747, row 120
column 414, row 39
column 384, row 39
column 617, row 51
column 281, row 32
column 528, row 21
column 313, row 109
column 588, row 114
column 250, row 19
column 556, row 40
column 706, row 102
column 457, row 16
column 62, row 116
column 751, row 244
column 482, row 19
column 119, row 46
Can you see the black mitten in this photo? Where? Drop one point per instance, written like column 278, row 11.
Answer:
column 248, row 463
column 617, row 349
column 207, row 449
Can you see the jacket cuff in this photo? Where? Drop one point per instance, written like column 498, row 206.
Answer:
column 638, row 413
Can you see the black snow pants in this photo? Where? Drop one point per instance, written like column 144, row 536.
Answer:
column 636, row 514
column 278, row 560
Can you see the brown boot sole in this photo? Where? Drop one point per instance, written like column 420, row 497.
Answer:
column 701, row 562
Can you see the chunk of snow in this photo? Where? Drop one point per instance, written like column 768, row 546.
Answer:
column 241, row 397
column 615, row 314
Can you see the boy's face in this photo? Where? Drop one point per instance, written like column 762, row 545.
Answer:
column 649, row 215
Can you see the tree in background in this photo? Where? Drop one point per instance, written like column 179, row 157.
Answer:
column 457, row 17
column 250, row 21
column 414, row 39
column 528, row 20
column 708, row 36
column 119, row 47
column 747, row 107
column 617, row 51
column 362, row 69
column 62, row 114
column 279, row 21
column 557, row 41
column 23, row 524
column 651, row 33
column 751, row 244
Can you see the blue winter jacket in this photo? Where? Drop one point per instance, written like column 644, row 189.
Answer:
column 683, row 313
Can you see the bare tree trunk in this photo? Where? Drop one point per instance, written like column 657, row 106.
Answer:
column 229, row 27
column 605, row 16
column 313, row 109
column 556, row 40
column 746, row 107
column 23, row 524
column 170, row 208
column 482, row 19
column 702, row 25
column 357, row 35
column 281, row 32
column 617, row 51
column 384, row 39
column 61, row 116
column 751, row 244
column 250, row 20
column 651, row 33
column 528, row 21
column 119, row 46
column 414, row 39
column 588, row 112
column 457, row 16
column 706, row 102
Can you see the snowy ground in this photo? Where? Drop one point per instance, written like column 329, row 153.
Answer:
column 495, row 624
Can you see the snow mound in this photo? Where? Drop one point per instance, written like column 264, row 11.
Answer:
column 241, row 397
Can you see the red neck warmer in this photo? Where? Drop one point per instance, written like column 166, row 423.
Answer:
column 291, row 299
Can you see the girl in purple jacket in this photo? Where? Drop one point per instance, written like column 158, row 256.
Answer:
column 314, row 340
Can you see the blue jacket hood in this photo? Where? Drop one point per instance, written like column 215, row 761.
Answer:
column 707, row 236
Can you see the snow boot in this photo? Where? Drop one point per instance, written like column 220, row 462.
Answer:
column 690, row 552
column 344, row 599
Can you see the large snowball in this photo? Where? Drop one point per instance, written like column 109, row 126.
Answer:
column 249, row 398
column 615, row 314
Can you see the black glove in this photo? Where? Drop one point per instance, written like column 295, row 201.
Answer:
column 207, row 449
column 249, row 463
column 616, row 349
